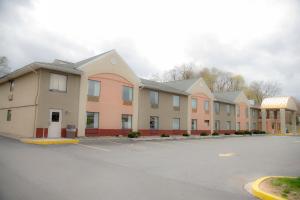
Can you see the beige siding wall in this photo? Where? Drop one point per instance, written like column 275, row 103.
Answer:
column 22, row 106
column 223, row 117
column 68, row 101
column 165, row 110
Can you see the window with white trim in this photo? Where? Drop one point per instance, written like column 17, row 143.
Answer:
column 228, row 125
column 126, row 121
column 217, row 125
column 176, row 101
column 127, row 94
column 206, row 105
column 92, row 120
column 194, row 124
column 153, row 98
column 194, row 103
column 94, row 88
column 176, row 123
column 154, row 123
column 58, row 82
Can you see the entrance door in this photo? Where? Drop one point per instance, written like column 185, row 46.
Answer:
column 54, row 130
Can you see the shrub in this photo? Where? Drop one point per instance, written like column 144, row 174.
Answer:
column 247, row 133
column 239, row 133
column 185, row 135
column 164, row 135
column 226, row 133
column 262, row 132
column 204, row 134
column 215, row 134
column 134, row 134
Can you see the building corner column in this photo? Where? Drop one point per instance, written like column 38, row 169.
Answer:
column 135, row 126
column 282, row 121
column 82, row 105
column 189, row 117
column 294, row 122
column 264, row 120
column 212, row 111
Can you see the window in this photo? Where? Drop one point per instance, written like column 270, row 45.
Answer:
column 8, row 115
column 247, row 125
column 246, row 112
column 194, row 104
column 153, row 98
column 217, row 107
column 228, row 109
column 194, row 124
column 176, row 101
column 176, row 124
column 58, row 82
column 154, row 122
column 206, row 106
column 228, row 125
column 126, row 121
column 92, row 120
column 11, row 85
column 254, row 126
column 55, row 117
column 94, row 88
column 217, row 125
column 127, row 94
column 206, row 122
column 238, row 126
column 253, row 113
column 238, row 110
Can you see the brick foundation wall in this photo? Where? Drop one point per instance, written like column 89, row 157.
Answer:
column 95, row 132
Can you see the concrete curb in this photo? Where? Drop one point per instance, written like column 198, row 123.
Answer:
column 257, row 192
column 49, row 141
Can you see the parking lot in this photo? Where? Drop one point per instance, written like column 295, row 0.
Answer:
column 135, row 170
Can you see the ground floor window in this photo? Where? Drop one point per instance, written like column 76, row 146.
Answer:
column 126, row 121
column 92, row 120
column 8, row 115
column 176, row 124
column 228, row 125
column 238, row 126
column 194, row 124
column 206, row 122
column 217, row 125
column 254, row 126
column 154, row 122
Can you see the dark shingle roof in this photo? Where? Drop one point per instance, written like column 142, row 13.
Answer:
column 227, row 97
column 183, row 85
column 161, row 86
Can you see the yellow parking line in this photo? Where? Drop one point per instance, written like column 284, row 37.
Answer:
column 226, row 154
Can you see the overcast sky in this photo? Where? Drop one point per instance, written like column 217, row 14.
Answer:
column 259, row 39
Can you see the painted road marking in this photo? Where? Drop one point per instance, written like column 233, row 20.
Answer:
column 297, row 141
column 93, row 147
column 115, row 142
column 226, row 154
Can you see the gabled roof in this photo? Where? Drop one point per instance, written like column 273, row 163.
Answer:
column 161, row 86
column 227, row 97
column 82, row 62
column 37, row 65
column 279, row 102
column 183, row 85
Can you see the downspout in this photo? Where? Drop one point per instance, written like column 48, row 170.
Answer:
column 36, row 100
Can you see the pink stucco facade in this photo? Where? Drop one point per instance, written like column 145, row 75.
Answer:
column 200, row 114
column 243, row 117
column 110, row 105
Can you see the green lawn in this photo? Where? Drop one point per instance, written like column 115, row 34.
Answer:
column 290, row 187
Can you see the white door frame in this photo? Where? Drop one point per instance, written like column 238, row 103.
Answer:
column 54, row 129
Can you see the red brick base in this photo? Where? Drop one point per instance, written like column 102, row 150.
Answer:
column 43, row 133
column 95, row 132
column 225, row 132
column 149, row 132
column 198, row 132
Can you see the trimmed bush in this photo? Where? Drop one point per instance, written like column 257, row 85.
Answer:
column 134, row 134
column 227, row 134
column 204, row 134
column 239, row 133
column 185, row 135
column 215, row 134
column 262, row 132
column 247, row 133
column 164, row 135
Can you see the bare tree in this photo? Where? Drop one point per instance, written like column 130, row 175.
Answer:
column 259, row 90
column 4, row 69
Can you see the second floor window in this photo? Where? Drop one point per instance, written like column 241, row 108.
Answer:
column 194, row 104
column 238, row 110
column 94, row 88
column 153, row 98
column 58, row 82
column 127, row 94
column 217, row 107
column 176, row 101
column 228, row 109
column 206, row 106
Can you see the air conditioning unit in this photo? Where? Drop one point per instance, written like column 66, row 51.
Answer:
column 10, row 97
